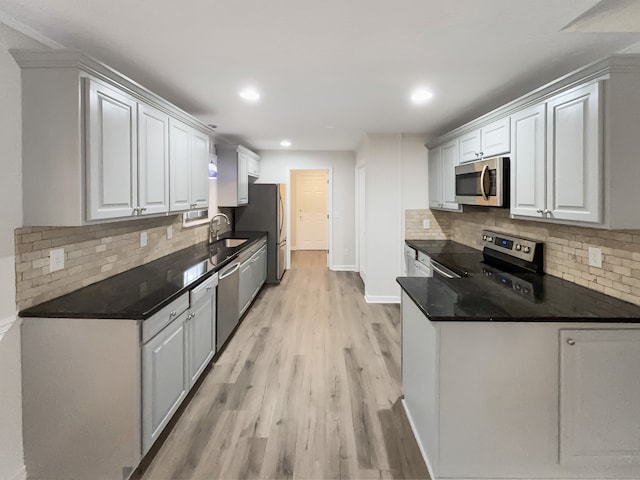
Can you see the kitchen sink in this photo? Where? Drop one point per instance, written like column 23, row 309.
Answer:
column 234, row 242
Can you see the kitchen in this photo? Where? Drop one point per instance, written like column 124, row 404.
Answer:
column 394, row 164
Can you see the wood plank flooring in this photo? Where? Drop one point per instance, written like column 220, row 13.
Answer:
column 309, row 387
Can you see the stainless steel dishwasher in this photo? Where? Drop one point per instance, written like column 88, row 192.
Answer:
column 228, row 311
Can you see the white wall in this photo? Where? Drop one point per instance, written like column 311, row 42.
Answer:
column 396, row 179
column 11, row 453
column 274, row 168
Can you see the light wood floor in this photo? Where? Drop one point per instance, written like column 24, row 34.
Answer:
column 309, row 387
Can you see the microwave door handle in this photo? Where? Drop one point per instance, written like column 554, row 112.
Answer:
column 485, row 169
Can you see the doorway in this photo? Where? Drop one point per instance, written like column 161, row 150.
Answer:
column 309, row 210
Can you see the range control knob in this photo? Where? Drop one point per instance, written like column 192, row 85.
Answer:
column 526, row 249
column 490, row 239
column 518, row 247
column 484, row 237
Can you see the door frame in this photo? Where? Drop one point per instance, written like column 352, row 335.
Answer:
column 329, row 171
column 360, row 192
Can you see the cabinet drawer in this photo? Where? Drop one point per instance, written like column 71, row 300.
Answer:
column 203, row 290
column 153, row 325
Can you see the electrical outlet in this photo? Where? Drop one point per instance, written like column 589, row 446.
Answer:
column 426, row 224
column 143, row 239
column 595, row 257
column 169, row 232
column 56, row 259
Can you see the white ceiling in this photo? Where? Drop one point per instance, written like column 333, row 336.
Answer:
column 344, row 64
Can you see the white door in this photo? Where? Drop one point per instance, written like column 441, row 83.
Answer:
column 599, row 392
column 112, row 161
column 435, row 177
column 199, row 193
column 528, row 161
column 179, row 166
column 311, row 203
column 573, row 155
column 153, row 160
column 164, row 379
column 450, row 158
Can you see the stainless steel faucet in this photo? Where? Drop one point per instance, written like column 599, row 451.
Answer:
column 216, row 220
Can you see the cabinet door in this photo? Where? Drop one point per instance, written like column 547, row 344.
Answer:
column 111, row 153
column 164, row 379
column 179, row 166
column 153, row 160
column 201, row 336
column 435, row 177
column 573, row 156
column 528, row 161
column 496, row 138
column 450, row 158
column 599, row 392
column 243, row 179
column 263, row 265
column 254, row 167
column 199, row 170
column 470, row 146
column 246, row 285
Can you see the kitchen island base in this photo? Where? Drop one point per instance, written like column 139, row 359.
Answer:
column 522, row 400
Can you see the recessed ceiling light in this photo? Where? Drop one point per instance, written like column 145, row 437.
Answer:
column 250, row 94
column 421, row 95
column 285, row 143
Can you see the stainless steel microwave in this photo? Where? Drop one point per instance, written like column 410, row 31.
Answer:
column 484, row 182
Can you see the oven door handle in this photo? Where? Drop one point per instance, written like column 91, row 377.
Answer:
column 438, row 269
column 485, row 169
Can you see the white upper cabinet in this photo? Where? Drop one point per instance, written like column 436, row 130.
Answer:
column 528, row 161
column 488, row 141
column 442, row 180
column 180, row 163
column 98, row 147
column 153, row 160
column 199, row 169
column 253, row 167
column 599, row 391
column 573, row 155
column 235, row 163
column 559, row 180
column 111, row 153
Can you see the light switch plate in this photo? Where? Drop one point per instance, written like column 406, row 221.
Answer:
column 595, row 257
column 143, row 239
column 426, row 224
column 169, row 232
column 56, row 259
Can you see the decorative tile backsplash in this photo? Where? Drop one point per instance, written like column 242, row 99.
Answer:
column 92, row 253
column 566, row 247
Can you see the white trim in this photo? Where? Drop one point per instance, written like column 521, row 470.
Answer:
column 420, row 446
column 381, row 298
column 18, row 26
column 329, row 171
column 344, row 268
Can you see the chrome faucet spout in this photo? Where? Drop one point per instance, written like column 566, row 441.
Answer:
column 214, row 225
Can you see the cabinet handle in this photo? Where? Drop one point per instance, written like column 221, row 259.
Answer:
column 209, row 288
column 143, row 209
column 477, row 154
column 571, row 341
column 547, row 211
column 173, row 314
column 540, row 210
column 192, row 315
column 136, row 211
column 481, row 154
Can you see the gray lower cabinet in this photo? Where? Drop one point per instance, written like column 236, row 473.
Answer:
column 253, row 273
column 245, row 288
column 164, row 378
column 201, row 329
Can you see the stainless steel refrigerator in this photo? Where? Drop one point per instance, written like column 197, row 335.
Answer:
column 266, row 212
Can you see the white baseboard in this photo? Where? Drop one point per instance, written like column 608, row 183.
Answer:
column 21, row 474
column 415, row 434
column 344, row 268
column 381, row 298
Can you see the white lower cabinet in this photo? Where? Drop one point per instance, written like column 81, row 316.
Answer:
column 599, row 401
column 174, row 358
column 526, row 400
column 164, row 379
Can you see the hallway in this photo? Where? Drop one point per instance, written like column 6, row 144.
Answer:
column 308, row 387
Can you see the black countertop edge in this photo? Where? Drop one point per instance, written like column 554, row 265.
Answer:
column 415, row 287
column 63, row 306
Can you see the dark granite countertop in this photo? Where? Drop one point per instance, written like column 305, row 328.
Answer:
column 479, row 297
column 140, row 292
